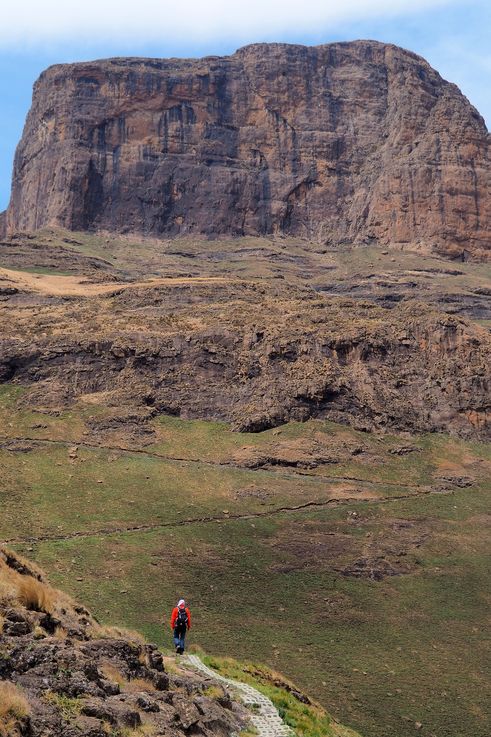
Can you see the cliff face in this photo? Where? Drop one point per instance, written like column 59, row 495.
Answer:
column 345, row 142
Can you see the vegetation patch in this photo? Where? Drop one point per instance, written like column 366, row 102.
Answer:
column 13, row 707
column 307, row 719
column 68, row 707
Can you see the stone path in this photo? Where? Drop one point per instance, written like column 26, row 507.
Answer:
column 266, row 720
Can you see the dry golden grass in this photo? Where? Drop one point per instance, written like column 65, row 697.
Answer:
column 35, row 595
column 39, row 633
column 13, row 707
column 110, row 672
column 139, row 684
column 23, row 583
column 20, row 564
column 134, row 685
column 9, row 584
column 170, row 664
column 213, row 692
column 144, row 730
column 57, row 285
column 105, row 632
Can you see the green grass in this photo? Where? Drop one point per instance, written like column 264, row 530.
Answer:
column 306, row 720
column 378, row 655
column 68, row 707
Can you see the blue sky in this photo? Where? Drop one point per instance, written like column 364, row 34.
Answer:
column 453, row 35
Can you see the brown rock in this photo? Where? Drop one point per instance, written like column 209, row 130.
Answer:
column 352, row 142
column 186, row 710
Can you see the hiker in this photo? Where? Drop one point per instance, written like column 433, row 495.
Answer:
column 180, row 622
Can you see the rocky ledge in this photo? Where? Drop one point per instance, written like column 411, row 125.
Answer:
column 250, row 356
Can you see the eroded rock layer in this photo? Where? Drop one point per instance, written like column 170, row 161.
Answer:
column 237, row 352
column 353, row 142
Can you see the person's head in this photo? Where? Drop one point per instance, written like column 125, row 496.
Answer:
column 181, row 604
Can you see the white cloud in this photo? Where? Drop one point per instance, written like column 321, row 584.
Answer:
column 37, row 21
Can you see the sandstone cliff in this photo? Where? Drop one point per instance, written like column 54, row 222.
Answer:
column 347, row 142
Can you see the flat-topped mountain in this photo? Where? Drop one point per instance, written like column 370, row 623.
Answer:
column 345, row 142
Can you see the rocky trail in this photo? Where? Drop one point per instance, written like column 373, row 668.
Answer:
column 265, row 718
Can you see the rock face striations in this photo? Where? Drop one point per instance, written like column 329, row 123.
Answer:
column 347, row 142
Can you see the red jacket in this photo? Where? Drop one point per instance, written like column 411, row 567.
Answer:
column 174, row 614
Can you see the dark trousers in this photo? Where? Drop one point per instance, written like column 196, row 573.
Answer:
column 179, row 636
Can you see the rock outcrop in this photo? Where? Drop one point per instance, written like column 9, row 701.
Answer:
column 237, row 352
column 63, row 674
column 346, row 142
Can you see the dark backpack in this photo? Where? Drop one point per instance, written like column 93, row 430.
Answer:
column 182, row 619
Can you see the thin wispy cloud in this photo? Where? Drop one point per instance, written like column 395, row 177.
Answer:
column 38, row 21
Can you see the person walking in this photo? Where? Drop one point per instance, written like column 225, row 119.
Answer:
column 180, row 623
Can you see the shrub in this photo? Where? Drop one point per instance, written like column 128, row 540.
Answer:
column 69, row 708
column 213, row 692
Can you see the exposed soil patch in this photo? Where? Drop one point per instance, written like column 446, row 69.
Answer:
column 326, row 548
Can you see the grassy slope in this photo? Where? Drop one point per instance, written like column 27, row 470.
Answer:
column 380, row 656
column 307, row 720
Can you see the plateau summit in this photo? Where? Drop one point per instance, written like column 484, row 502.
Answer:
column 346, row 142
